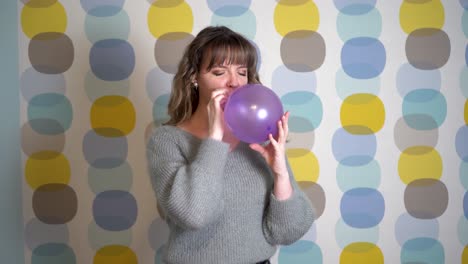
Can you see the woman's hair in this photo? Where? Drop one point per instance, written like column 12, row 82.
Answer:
column 218, row 45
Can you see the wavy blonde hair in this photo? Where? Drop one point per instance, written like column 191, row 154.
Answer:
column 217, row 44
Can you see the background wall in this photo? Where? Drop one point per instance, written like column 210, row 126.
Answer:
column 379, row 127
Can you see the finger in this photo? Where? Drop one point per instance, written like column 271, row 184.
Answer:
column 281, row 130
column 273, row 140
column 258, row 148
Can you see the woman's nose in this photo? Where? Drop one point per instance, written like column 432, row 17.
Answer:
column 233, row 81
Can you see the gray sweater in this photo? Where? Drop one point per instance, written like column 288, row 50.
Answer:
column 219, row 204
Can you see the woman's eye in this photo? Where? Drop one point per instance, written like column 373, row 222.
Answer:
column 218, row 73
column 243, row 73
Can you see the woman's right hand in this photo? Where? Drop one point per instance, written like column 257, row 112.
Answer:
column 216, row 125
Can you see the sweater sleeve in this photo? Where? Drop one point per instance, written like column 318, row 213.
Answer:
column 188, row 187
column 288, row 220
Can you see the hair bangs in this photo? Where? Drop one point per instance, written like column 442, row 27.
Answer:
column 231, row 51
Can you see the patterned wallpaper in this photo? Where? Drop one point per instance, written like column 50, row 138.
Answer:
column 378, row 95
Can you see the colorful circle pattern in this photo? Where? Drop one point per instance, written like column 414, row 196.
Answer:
column 424, row 110
column 354, row 145
column 49, row 116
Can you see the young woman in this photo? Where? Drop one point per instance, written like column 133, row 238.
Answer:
column 224, row 201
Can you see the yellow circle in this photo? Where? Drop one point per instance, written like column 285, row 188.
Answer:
column 165, row 17
column 46, row 167
column 419, row 162
column 113, row 116
column 361, row 252
column 304, row 164
column 464, row 258
column 421, row 14
column 466, row 112
column 52, row 18
column 115, row 254
column 362, row 114
column 288, row 17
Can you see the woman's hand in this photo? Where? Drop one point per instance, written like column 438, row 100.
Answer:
column 274, row 154
column 216, row 126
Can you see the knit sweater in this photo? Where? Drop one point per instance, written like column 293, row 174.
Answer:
column 219, row 204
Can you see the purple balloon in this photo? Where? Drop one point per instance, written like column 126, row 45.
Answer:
column 252, row 112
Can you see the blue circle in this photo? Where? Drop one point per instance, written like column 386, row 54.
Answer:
column 408, row 227
column 362, row 207
column 422, row 250
column 353, row 150
column 112, row 59
column 409, row 79
column 465, row 205
column 465, row 23
column 461, row 143
column 363, row 57
column 464, row 4
column 464, row 174
column 115, row 210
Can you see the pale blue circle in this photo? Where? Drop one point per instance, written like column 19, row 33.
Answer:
column 409, row 79
column 464, row 174
column 461, row 143
column 351, row 177
column 365, row 25
column 33, row 83
column 96, row 88
column 422, row 250
column 346, row 234
column 311, row 234
column 353, row 150
column 158, row 83
column 346, row 85
column 362, row 207
column 301, row 252
column 464, row 81
column 424, row 109
column 245, row 24
column 284, row 81
column 463, row 230
column 305, row 111
column 113, row 27
column 229, row 8
column 354, row 7
column 408, row 227
column 363, row 57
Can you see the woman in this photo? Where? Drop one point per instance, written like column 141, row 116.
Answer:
column 224, row 201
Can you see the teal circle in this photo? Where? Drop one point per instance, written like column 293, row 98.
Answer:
column 53, row 253
column 464, row 174
column 422, row 250
column 346, row 234
column 111, row 27
column 463, row 230
column 160, row 114
column 301, row 252
column 365, row 25
column 464, row 81
column 245, row 24
column 347, row 85
column 305, row 110
column 424, row 109
column 50, row 113
column 350, row 177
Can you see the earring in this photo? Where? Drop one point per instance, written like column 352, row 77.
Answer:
column 195, row 86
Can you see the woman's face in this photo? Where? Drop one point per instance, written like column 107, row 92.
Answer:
column 229, row 76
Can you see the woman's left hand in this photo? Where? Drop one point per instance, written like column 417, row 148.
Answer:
column 274, row 152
